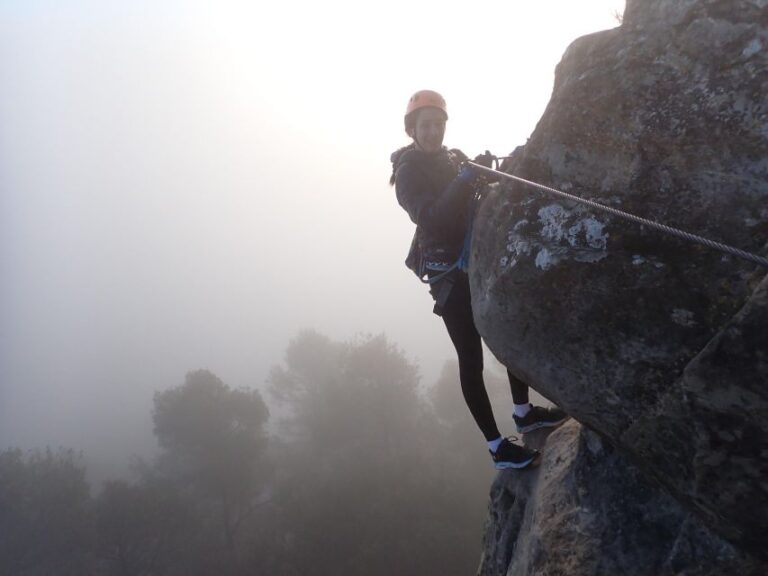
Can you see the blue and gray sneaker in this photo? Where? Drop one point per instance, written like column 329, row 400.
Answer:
column 539, row 417
column 509, row 455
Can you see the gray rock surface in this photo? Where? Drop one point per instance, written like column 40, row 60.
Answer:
column 587, row 510
column 657, row 343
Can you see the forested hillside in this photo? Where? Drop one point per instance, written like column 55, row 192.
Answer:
column 357, row 470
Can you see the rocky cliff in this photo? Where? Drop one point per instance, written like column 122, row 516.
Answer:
column 587, row 510
column 658, row 345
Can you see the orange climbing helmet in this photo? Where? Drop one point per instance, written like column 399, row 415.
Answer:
column 423, row 99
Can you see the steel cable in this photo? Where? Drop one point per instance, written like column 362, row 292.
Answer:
column 631, row 217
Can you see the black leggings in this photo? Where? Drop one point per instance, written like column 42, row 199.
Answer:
column 457, row 315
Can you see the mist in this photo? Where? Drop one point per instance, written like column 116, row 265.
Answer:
column 187, row 186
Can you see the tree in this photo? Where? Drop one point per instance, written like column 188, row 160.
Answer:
column 142, row 527
column 214, row 446
column 45, row 513
column 363, row 488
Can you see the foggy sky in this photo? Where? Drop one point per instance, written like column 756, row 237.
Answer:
column 187, row 185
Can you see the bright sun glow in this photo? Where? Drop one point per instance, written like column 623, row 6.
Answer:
column 340, row 72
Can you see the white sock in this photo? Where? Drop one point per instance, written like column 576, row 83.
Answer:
column 493, row 445
column 521, row 410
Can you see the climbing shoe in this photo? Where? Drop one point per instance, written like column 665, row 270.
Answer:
column 539, row 417
column 509, row 455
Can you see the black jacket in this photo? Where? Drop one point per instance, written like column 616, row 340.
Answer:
column 437, row 202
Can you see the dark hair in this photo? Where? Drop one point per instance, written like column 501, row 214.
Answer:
column 410, row 121
column 396, row 155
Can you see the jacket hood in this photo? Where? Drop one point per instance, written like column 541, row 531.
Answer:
column 398, row 155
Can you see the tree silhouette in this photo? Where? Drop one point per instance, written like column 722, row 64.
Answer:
column 142, row 528
column 368, row 474
column 361, row 489
column 214, row 446
column 45, row 514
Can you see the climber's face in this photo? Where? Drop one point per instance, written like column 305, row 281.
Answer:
column 429, row 129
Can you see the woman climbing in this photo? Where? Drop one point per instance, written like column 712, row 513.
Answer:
column 437, row 191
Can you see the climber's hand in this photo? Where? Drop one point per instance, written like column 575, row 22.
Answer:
column 467, row 174
column 485, row 159
column 471, row 175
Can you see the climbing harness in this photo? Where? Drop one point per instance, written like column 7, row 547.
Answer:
column 446, row 277
column 762, row 261
column 462, row 262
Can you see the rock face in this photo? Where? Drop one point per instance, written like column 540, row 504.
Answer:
column 658, row 344
column 587, row 510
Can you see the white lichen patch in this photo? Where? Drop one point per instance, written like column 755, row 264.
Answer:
column 517, row 245
column 586, row 237
column 591, row 230
column 752, row 48
column 558, row 234
column 545, row 259
column 553, row 219
column 683, row 317
column 585, row 232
